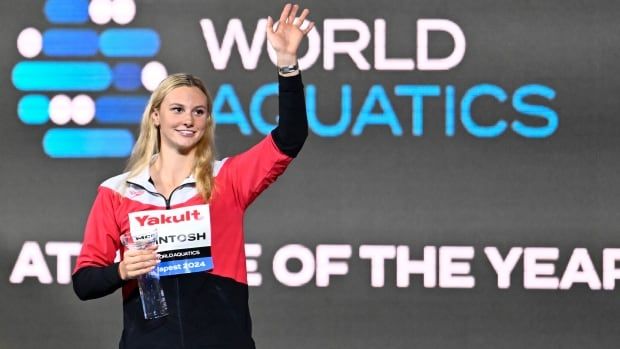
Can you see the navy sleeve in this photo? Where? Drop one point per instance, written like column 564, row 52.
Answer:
column 95, row 282
column 292, row 129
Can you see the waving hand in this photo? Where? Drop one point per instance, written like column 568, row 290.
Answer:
column 288, row 34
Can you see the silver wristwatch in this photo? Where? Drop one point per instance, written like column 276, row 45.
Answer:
column 287, row 69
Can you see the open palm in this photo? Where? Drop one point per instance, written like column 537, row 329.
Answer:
column 287, row 35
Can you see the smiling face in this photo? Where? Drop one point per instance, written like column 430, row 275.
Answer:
column 182, row 119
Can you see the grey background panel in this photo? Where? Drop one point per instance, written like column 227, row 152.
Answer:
column 432, row 190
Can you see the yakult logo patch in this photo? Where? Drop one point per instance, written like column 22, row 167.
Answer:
column 150, row 219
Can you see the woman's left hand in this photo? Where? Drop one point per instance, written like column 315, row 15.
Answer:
column 287, row 36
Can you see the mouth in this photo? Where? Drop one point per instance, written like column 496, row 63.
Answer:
column 186, row 133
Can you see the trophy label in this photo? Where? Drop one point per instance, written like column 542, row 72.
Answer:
column 183, row 237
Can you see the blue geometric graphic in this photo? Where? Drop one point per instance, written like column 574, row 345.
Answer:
column 33, row 109
column 129, row 42
column 87, row 143
column 120, row 109
column 126, row 76
column 66, row 11
column 62, row 76
column 70, row 42
column 63, row 67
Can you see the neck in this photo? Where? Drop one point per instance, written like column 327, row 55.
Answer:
column 171, row 167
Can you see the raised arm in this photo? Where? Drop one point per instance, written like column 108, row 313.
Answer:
column 285, row 38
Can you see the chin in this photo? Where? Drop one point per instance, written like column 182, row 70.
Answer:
column 185, row 148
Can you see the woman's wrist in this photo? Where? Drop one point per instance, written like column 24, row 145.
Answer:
column 287, row 65
column 289, row 70
column 284, row 60
column 121, row 269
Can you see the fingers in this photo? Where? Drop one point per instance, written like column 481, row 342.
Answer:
column 291, row 16
column 302, row 17
column 284, row 13
column 308, row 28
column 139, row 262
column 269, row 27
column 141, row 271
column 289, row 12
column 289, row 20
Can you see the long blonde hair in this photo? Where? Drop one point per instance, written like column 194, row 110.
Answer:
column 149, row 142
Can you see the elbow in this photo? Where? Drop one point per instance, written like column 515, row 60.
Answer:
column 96, row 282
column 293, row 149
column 290, row 143
column 302, row 141
column 81, row 285
column 81, row 295
column 78, row 288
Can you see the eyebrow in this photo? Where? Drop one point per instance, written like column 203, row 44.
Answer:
column 183, row 105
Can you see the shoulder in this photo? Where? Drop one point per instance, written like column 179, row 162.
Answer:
column 116, row 183
column 217, row 166
column 266, row 148
column 263, row 155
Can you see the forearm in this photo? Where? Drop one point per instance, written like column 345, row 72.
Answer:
column 95, row 282
column 292, row 129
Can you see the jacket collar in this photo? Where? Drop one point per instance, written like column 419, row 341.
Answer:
column 143, row 179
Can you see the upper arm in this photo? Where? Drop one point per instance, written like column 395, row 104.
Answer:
column 254, row 170
column 101, row 234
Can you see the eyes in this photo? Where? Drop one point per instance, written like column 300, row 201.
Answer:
column 175, row 109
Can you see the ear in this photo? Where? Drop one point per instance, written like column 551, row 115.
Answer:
column 155, row 117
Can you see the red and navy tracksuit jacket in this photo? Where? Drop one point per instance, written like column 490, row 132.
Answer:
column 206, row 309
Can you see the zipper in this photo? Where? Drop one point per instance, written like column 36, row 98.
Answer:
column 178, row 299
column 176, row 279
column 172, row 192
column 179, row 312
column 167, row 200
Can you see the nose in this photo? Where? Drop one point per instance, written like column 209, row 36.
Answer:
column 188, row 121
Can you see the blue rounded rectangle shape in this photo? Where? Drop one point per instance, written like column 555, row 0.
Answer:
column 33, row 109
column 131, row 42
column 61, row 76
column 70, row 42
column 120, row 109
column 127, row 76
column 87, row 143
column 185, row 266
column 66, row 11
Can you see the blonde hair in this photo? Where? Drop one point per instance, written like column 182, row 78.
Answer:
column 148, row 143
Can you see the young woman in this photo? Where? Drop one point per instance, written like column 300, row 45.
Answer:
column 172, row 168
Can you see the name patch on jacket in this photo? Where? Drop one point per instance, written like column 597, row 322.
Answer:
column 183, row 236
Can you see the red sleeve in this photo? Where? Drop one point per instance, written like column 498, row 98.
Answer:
column 101, row 235
column 254, row 170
